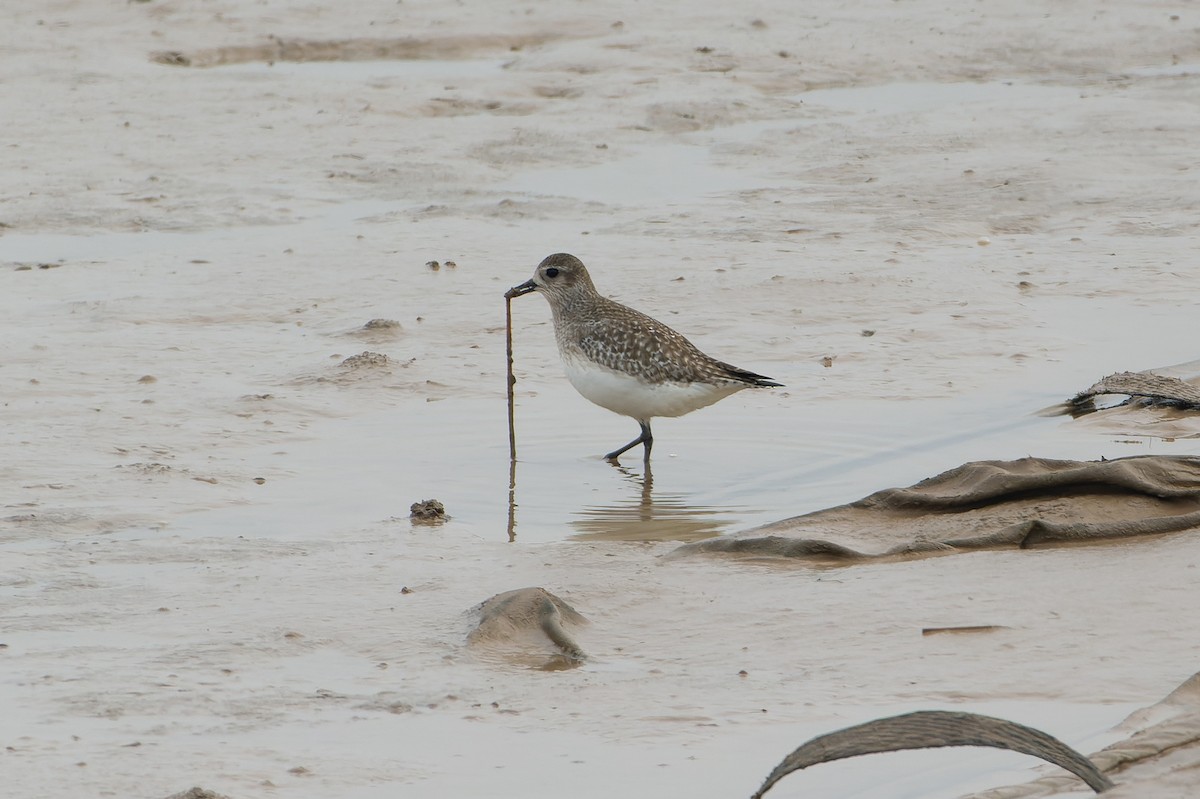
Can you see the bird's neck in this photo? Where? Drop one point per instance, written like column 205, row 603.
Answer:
column 574, row 305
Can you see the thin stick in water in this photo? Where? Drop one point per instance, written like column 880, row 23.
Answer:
column 512, row 430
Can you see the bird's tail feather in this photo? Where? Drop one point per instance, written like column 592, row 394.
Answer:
column 750, row 378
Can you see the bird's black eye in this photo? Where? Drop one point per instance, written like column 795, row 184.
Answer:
column 552, row 272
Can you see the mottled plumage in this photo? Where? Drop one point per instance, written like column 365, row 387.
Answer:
column 624, row 360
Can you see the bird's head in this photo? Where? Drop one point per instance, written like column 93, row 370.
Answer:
column 557, row 276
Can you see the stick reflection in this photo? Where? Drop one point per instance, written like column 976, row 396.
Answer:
column 512, row 497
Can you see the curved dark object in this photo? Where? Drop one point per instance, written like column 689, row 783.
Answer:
column 927, row 729
column 1144, row 385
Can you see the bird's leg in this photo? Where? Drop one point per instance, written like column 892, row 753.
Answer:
column 645, row 438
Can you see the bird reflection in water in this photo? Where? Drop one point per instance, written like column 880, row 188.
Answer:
column 646, row 517
column 642, row 516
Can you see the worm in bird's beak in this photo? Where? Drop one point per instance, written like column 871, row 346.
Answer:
column 517, row 291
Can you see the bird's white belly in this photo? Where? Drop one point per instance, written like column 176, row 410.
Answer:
column 624, row 394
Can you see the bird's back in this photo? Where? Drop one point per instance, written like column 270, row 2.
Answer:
column 620, row 338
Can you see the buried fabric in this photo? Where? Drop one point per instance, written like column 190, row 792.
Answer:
column 990, row 504
column 1157, row 760
column 1163, row 403
column 929, row 729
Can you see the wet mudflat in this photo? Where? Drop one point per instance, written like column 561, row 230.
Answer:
column 209, row 574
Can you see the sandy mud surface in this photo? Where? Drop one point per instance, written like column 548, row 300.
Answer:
column 230, row 369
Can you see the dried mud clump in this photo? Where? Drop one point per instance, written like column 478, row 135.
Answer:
column 357, row 369
column 151, row 469
column 427, row 511
column 365, row 360
column 381, row 324
column 197, row 793
column 378, row 330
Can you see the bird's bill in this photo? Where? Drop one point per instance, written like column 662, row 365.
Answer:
column 517, row 291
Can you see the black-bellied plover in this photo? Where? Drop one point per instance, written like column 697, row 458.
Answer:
column 626, row 361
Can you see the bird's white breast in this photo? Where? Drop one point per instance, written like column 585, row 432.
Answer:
column 627, row 395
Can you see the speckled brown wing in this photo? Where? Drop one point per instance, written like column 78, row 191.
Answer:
column 626, row 340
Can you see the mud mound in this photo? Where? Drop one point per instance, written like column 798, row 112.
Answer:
column 526, row 626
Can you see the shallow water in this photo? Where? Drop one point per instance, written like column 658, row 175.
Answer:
column 39, row 248
column 789, row 459
column 917, row 98
column 678, row 173
column 684, row 172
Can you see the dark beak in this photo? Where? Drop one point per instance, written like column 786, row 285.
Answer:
column 517, row 291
